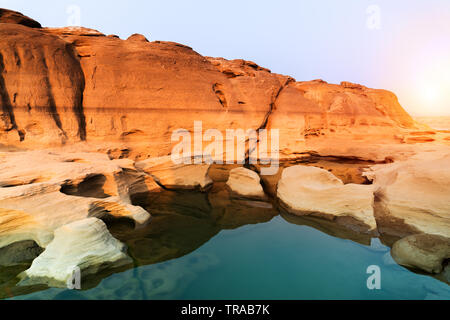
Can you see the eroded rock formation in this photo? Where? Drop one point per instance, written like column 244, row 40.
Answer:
column 56, row 265
column 412, row 196
column 64, row 85
column 36, row 198
column 74, row 90
column 305, row 190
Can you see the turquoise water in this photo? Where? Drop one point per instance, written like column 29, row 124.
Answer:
column 270, row 260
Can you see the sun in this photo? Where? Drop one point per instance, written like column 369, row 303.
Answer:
column 430, row 94
column 433, row 97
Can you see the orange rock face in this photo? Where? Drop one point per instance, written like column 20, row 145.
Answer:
column 316, row 109
column 9, row 16
column 41, row 88
column 65, row 85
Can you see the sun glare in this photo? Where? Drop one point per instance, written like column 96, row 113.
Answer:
column 430, row 95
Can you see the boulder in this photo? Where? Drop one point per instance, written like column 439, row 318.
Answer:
column 85, row 244
column 412, row 196
column 304, row 190
column 422, row 251
column 245, row 183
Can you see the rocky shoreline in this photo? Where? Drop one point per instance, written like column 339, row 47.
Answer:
column 85, row 142
column 40, row 202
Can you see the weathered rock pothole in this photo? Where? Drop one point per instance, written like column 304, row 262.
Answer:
column 90, row 187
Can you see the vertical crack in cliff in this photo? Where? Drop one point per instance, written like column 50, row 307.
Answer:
column 79, row 113
column 8, row 116
column 78, row 107
column 272, row 107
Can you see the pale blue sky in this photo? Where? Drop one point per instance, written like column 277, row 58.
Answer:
column 328, row 39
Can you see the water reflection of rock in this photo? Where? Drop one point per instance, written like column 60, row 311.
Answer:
column 166, row 280
column 184, row 221
column 376, row 244
column 14, row 259
column 160, row 281
column 8, row 281
column 328, row 227
column 181, row 222
column 419, row 287
column 21, row 252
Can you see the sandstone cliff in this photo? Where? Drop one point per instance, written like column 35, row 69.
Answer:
column 9, row 16
column 59, row 86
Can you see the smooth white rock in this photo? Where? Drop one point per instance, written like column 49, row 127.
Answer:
column 415, row 194
column 245, row 183
column 306, row 190
column 86, row 244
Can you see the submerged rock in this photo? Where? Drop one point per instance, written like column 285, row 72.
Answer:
column 305, row 190
column 85, row 244
column 426, row 252
column 245, row 183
